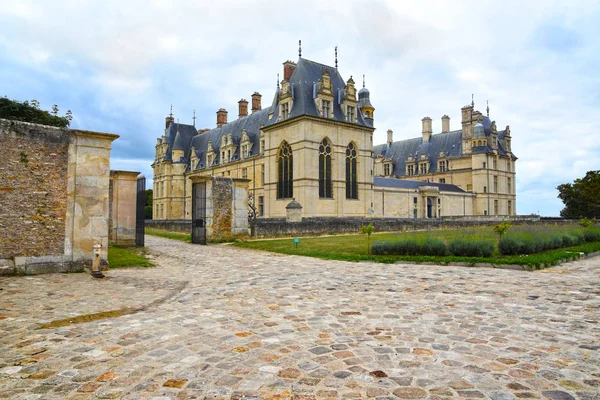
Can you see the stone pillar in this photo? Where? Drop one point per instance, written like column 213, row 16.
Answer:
column 123, row 205
column 88, row 178
column 293, row 211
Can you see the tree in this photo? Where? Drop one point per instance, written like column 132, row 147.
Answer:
column 367, row 230
column 55, row 110
column 148, row 204
column 582, row 197
column 26, row 112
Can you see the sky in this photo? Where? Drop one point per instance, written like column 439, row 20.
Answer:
column 119, row 65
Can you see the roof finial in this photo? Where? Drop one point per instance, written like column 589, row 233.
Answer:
column 336, row 63
column 194, row 119
column 171, row 112
column 300, row 48
column 363, row 80
column 278, row 81
column 472, row 100
column 488, row 108
column 177, row 125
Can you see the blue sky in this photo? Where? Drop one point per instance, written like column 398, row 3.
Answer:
column 119, row 66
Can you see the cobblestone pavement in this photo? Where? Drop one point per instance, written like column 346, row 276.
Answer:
column 219, row 322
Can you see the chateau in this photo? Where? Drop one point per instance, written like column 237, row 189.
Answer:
column 314, row 143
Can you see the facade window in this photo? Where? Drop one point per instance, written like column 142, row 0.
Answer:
column 245, row 151
column 485, row 189
column 386, row 169
column 443, row 180
column 261, row 206
column 351, row 114
column 262, row 146
column 285, row 175
column 484, row 165
column 209, row 161
column 495, row 163
column 351, row 174
column 245, row 173
column 325, row 182
column 495, row 207
column 326, row 108
column 442, row 166
column 495, row 184
column 411, row 170
column 262, row 174
column 285, row 112
column 469, row 187
column 509, row 207
column 423, row 168
column 415, row 207
column 223, row 157
column 484, row 212
column 228, row 155
column 509, row 185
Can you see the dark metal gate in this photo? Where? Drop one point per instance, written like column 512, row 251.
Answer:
column 199, row 213
column 140, row 211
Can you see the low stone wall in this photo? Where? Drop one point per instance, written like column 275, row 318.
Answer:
column 278, row 227
column 173, row 225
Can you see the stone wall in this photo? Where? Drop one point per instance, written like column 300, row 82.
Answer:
column 33, row 189
column 278, row 227
column 54, row 197
column 172, row 225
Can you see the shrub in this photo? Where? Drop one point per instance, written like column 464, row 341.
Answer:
column 591, row 235
column 433, row 247
column 471, row 248
column 407, row 247
column 510, row 246
column 380, row 248
column 568, row 240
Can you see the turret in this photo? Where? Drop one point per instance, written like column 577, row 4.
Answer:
column 364, row 103
column 178, row 150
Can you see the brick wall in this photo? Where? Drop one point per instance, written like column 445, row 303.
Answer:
column 33, row 189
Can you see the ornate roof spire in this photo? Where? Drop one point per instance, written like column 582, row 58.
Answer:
column 488, row 108
column 472, row 100
column 278, row 81
column 171, row 112
column 194, row 119
column 300, row 48
column 363, row 80
column 336, row 61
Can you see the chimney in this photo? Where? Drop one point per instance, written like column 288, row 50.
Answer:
column 256, row 101
column 243, row 107
column 288, row 69
column 426, row 129
column 390, row 137
column 445, row 124
column 221, row 117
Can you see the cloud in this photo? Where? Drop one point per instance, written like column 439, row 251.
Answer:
column 119, row 66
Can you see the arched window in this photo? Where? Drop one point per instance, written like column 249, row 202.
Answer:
column 285, row 167
column 325, row 185
column 351, row 183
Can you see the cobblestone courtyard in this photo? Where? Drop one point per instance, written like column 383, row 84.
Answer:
column 219, row 322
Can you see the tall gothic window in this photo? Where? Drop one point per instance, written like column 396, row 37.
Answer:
column 285, row 177
column 325, row 185
column 351, row 182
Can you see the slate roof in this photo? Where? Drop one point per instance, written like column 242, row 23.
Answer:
column 305, row 75
column 408, row 184
column 450, row 143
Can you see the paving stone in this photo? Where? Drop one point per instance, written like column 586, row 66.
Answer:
column 231, row 323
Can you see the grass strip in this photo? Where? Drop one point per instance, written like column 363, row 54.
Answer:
column 184, row 237
column 125, row 257
column 352, row 248
column 80, row 319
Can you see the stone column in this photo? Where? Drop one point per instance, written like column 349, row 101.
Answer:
column 88, row 177
column 123, row 206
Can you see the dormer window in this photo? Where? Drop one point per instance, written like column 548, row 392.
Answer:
column 387, row 170
column 351, row 114
column 285, row 110
column 326, row 109
column 411, row 170
column 442, row 166
column 423, row 168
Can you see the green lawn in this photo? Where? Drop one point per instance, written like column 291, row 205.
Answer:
column 120, row 257
column 184, row 237
column 354, row 248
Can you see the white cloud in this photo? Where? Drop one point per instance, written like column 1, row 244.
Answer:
column 123, row 63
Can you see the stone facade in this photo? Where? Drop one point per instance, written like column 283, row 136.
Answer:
column 314, row 143
column 54, row 189
column 123, row 203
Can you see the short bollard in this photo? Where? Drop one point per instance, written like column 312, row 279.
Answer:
column 96, row 272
